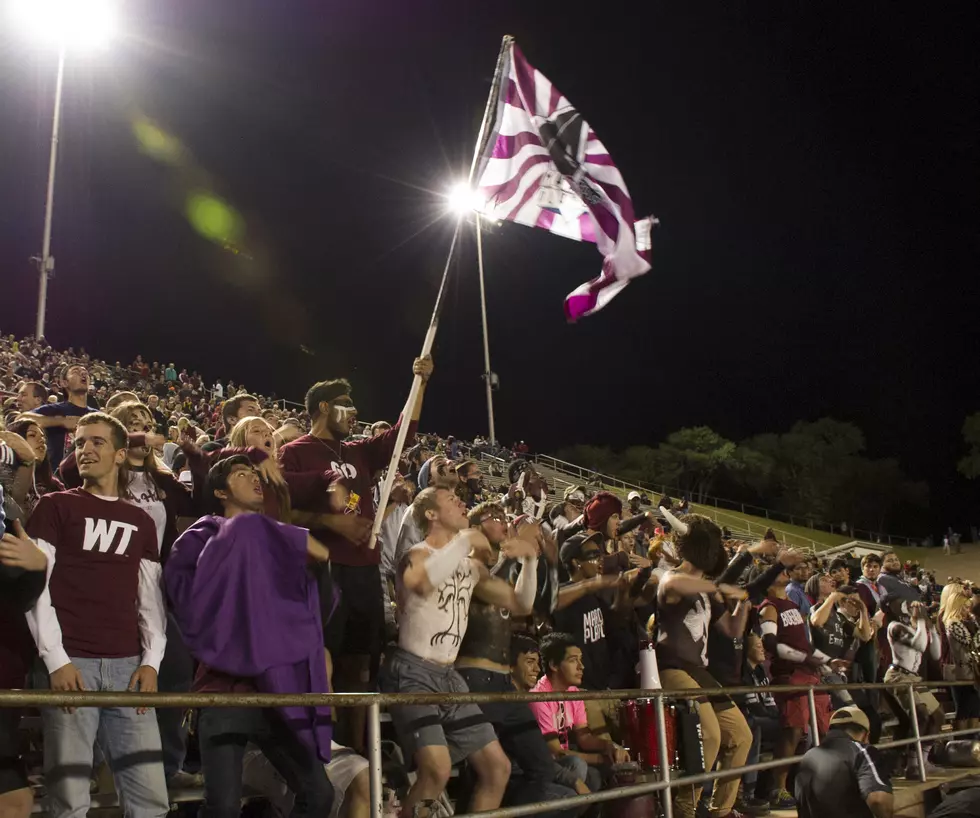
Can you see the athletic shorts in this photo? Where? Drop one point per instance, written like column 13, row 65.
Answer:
column 13, row 773
column 794, row 708
column 923, row 698
column 360, row 617
column 463, row 728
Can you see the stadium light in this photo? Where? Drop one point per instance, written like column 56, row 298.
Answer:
column 69, row 25
column 82, row 24
column 464, row 200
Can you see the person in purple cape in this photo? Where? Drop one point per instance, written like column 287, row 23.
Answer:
column 248, row 608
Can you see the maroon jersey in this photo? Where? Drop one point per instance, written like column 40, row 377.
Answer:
column 98, row 545
column 306, row 463
column 790, row 630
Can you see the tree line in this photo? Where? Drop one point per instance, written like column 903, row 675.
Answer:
column 817, row 471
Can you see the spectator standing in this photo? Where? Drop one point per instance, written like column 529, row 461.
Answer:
column 796, row 662
column 245, row 603
column 796, row 591
column 583, row 610
column 355, row 568
column 430, row 632
column 57, row 419
column 22, row 578
column 484, row 659
column 688, row 605
column 218, row 391
column 890, row 580
column 910, row 635
column 102, row 602
column 31, row 395
column 963, row 630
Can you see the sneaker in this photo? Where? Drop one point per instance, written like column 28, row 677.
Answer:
column 752, row 806
column 912, row 770
column 781, row 799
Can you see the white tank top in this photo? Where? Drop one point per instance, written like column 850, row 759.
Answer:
column 432, row 626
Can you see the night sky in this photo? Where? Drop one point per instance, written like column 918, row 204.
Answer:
column 814, row 168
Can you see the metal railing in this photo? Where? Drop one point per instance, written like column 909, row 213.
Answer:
column 771, row 515
column 374, row 702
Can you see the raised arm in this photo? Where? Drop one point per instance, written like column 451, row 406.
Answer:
column 423, row 572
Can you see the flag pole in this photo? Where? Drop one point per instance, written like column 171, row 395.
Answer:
column 486, row 338
column 430, row 335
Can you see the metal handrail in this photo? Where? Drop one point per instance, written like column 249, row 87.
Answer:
column 733, row 505
column 48, row 698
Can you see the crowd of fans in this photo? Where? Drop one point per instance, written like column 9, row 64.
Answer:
column 165, row 535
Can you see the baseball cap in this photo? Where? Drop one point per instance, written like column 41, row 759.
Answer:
column 633, row 495
column 572, row 547
column 850, row 715
column 574, row 494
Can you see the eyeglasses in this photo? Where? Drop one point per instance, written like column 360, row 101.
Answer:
column 591, row 556
column 497, row 518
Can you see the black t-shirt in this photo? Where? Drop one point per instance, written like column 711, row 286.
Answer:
column 588, row 620
column 837, row 777
column 836, row 637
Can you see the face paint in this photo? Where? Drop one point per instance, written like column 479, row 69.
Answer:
column 340, row 415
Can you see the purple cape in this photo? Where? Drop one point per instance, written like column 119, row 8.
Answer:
column 247, row 606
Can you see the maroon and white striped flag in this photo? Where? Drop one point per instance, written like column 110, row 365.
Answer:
column 543, row 166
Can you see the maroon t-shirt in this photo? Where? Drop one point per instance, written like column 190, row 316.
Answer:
column 790, row 630
column 98, row 546
column 305, row 465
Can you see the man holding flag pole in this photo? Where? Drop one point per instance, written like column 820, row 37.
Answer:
column 537, row 162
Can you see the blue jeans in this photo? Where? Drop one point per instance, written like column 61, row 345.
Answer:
column 130, row 743
column 176, row 676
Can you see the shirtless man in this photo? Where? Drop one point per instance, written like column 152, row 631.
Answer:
column 435, row 582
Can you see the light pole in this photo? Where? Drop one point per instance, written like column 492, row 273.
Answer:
column 463, row 200
column 63, row 23
column 46, row 262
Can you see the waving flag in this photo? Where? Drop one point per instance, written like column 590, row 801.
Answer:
column 543, row 166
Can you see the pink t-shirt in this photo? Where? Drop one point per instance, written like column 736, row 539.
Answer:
column 557, row 718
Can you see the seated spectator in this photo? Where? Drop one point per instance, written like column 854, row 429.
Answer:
column 564, row 724
column 761, row 713
column 246, row 603
column 103, row 603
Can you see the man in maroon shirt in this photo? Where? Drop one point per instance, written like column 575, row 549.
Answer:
column 306, row 465
column 100, row 624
